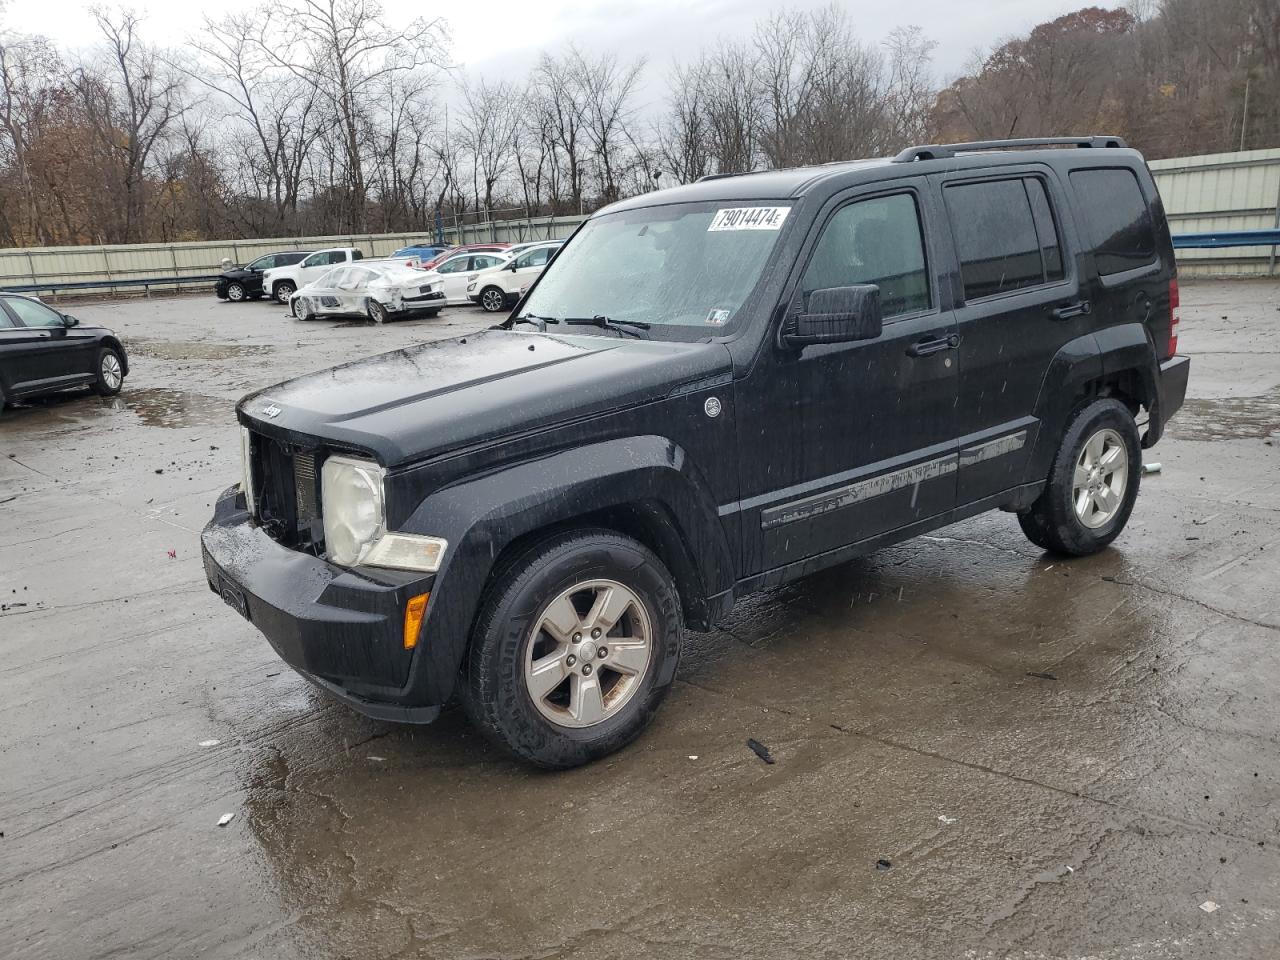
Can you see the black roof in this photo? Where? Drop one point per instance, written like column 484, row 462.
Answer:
column 795, row 182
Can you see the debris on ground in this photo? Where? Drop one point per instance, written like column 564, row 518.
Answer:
column 883, row 864
column 693, row 756
column 1208, row 906
column 209, row 743
column 376, row 758
column 760, row 750
column 1148, row 469
column 1041, row 676
column 225, row 819
column 945, row 819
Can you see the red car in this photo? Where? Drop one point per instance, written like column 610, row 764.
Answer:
column 464, row 248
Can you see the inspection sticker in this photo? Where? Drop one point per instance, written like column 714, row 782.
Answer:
column 749, row 218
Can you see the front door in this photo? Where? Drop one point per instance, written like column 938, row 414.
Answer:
column 53, row 351
column 846, row 441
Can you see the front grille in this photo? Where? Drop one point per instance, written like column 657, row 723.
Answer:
column 287, row 485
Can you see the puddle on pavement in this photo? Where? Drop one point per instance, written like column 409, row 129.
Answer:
column 155, row 407
column 194, row 350
column 1227, row 418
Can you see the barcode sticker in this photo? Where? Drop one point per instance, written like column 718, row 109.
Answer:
column 749, row 218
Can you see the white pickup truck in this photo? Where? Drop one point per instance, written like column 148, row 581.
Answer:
column 281, row 282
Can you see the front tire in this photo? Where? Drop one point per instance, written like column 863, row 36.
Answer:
column 300, row 309
column 377, row 312
column 493, row 299
column 282, row 291
column 110, row 372
column 1093, row 484
column 236, row 292
column 576, row 645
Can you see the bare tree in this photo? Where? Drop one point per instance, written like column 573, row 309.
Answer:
column 488, row 123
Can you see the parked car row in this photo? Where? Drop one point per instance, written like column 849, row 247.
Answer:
column 419, row 279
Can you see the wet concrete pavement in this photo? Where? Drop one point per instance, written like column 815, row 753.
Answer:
column 1055, row 759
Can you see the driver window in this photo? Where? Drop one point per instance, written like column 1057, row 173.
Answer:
column 453, row 266
column 874, row 241
column 534, row 258
column 34, row 314
column 316, row 260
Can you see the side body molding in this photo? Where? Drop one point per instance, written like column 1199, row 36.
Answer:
column 650, row 477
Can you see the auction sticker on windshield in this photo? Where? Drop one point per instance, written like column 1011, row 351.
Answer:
column 749, row 218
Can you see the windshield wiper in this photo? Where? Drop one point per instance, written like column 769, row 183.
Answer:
column 533, row 318
column 630, row 327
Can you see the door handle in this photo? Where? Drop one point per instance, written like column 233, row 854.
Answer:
column 922, row 348
column 1081, row 308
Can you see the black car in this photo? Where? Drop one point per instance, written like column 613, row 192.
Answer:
column 711, row 390
column 43, row 351
column 245, row 283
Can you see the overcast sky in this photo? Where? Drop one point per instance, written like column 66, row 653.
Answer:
column 503, row 37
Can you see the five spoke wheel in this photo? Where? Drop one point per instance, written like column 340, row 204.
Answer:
column 1100, row 478
column 588, row 653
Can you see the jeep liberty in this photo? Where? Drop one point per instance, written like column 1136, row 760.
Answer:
column 712, row 389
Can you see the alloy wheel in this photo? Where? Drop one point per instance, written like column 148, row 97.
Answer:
column 588, row 653
column 1100, row 479
column 493, row 300
column 235, row 293
column 112, row 375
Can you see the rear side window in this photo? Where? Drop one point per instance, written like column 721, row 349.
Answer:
column 1117, row 217
column 357, row 255
column 874, row 241
column 997, row 240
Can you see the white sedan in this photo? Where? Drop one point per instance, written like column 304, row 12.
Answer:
column 459, row 270
column 369, row 289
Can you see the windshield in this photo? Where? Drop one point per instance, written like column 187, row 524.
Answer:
column 679, row 265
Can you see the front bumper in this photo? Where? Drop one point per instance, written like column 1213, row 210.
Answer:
column 1172, row 390
column 342, row 629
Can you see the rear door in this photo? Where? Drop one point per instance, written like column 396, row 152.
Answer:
column 1019, row 300
column 17, row 353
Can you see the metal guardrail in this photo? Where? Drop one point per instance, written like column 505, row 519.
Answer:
column 1226, row 238
column 55, row 287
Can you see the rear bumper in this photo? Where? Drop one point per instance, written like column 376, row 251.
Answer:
column 341, row 629
column 1172, row 390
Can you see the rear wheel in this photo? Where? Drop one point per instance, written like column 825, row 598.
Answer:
column 1093, row 484
column 236, row 292
column 493, row 299
column 283, row 290
column 576, row 645
column 110, row 372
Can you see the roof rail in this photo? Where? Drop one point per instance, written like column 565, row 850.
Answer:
column 943, row 151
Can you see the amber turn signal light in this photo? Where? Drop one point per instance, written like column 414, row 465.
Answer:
column 414, row 611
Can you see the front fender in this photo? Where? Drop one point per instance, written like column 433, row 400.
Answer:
column 481, row 517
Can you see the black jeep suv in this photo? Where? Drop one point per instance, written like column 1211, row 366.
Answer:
column 713, row 389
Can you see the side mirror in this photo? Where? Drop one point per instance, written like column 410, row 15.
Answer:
column 512, row 266
column 69, row 321
column 836, row 315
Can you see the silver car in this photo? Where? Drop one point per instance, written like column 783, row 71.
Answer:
column 377, row 290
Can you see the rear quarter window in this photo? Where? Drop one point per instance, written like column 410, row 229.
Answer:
column 1117, row 219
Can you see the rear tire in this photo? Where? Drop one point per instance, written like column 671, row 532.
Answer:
column 1093, row 484
column 110, row 372
column 493, row 299
column 282, row 291
column 541, row 678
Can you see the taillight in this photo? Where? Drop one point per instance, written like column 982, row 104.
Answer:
column 1173, row 317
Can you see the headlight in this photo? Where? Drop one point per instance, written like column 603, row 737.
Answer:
column 355, row 521
column 351, row 503
column 246, row 468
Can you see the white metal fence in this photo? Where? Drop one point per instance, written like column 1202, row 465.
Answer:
column 1219, row 192
column 1225, row 191
column 68, row 265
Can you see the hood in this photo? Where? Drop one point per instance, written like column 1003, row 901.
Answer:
column 430, row 399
